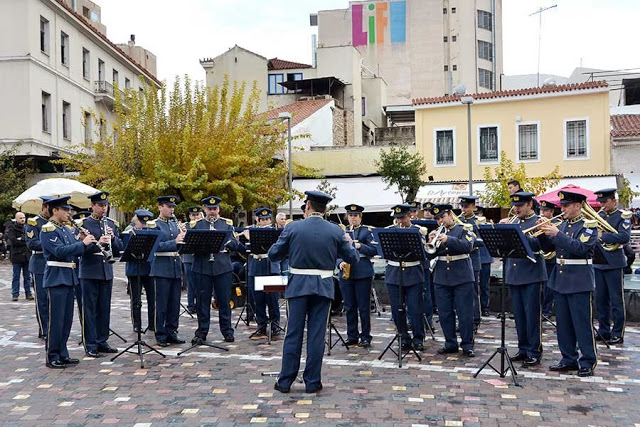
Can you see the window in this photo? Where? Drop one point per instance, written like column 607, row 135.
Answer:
column 100, row 70
column 46, row 112
column 454, row 67
column 484, row 20
column 64, row 48
column 453, row 10
column 364, row 106
column 445, row 39
column 85, row 12
column 488, row 149
column 631, row 91
column 44, row 35
column 87, row 127
column 116, row 78
column 274, row 87
column 86, row 64
column 446, row 68
column 444, row 147
column 576, row 139
column 127, row 83
column 66, row 120
column 454, row 38
column 528, row 142
column 485, row 50
column 292, row 77
column 103, row 130
column 444, row 10
column 485, row 78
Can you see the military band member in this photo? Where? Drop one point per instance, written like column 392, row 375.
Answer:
column 356, row 288
column 573, row 282
column 96, row 277
column 166, row 270
column 454, row 280
column 610, row 276
column 195, row 213
column 410, row 277
column 415, row 209
column 143, row 270
column 216, row 274
column 313, row 246
column 468, row 216
column 37, row 264
column 525, row 279
column 61, row 251
column 547, row 211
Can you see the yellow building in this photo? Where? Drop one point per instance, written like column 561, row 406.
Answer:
column 566, row 125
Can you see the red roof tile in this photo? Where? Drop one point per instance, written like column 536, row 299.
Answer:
column 299, row 110
column 281, row 64
column 512, row 93
column 625, row 125
column 109, row 42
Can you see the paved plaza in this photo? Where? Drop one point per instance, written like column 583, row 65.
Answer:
column 209, row 386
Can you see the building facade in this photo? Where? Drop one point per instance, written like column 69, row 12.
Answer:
column 60, row 73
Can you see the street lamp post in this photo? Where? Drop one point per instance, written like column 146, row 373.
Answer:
column 468, row 100
column 287, row 116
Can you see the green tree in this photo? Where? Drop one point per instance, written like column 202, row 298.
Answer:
column 193, row 142
column 13, row 180
column 496, row 192
column 332, row 190
column 626, row 193
column 399, row 167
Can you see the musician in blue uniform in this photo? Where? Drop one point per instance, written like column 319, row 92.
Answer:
column 454, row 280
column 214, row 272
column 610, row 276
column 525, row 279
column 573, row 282
column 313, row 246
column 96, row 277
column 408, row 279
column 468, row 216
column 166, row 270
column 259, row 265
column 61, row 251
column 426, row 214
column 547, row 211
column 356, row 288
column 37, row 264
column 143, row 269
column 415, row 209
column 195, row 213
column 77, row 219
column 485, row 268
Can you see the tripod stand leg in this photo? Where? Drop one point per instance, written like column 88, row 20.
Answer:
column 185, row 310
column 595, row 330
column 116, row 334
column 388, row 347
column 547, row 319
column 428, row 327
column 203, row 343
column 376, row 301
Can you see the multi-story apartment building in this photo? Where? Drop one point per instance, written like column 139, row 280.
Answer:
column 59, row 72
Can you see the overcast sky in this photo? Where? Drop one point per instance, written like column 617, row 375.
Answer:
column 594, row 33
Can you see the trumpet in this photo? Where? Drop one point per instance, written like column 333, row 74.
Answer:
column 603, row 225
column 535, row 230
column 512, row 215
column 432, row 246
column 456, row 219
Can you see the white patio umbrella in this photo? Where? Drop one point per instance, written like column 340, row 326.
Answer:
column 30, row 201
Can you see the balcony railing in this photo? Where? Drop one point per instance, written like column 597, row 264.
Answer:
column 103, row 88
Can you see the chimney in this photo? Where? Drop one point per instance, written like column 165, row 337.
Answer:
column 132, row 41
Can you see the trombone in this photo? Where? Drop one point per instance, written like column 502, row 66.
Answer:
column 603, row 225
column 535, row 232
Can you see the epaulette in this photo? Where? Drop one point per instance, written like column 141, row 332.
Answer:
column 79, row 222
column 48, row 227
column 390, row 226
column 590, row 223
column 116, row 223
column 33, row 221
column 70, row 227
column 468, row 226
column 194, row 222
column 626, row 214
column 151, row 224
column 227, row 220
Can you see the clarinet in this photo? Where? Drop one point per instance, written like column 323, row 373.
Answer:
column 106, row 254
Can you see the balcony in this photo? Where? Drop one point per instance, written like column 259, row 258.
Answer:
column 105, row 92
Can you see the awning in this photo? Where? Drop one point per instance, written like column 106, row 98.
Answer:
column 369, row 192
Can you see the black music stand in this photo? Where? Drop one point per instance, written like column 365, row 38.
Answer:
column 400, row 245
column 204, row 242
column 140, row 248
column 330, row 343
column 504, row 241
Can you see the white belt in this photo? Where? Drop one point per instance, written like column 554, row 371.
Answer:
column 363, row 256
column 167, row 254
column 449, row 258
column 404, row 264
column 61, row 264
column 36, row 252
column 325, row 274
column 261, row 256
column 562, row 261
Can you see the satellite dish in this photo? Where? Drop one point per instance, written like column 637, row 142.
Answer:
column 460, row 89
column 549, row 82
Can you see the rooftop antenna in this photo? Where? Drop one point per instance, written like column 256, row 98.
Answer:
column 539, row 13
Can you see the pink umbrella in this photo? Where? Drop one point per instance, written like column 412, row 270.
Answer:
column 552, row 196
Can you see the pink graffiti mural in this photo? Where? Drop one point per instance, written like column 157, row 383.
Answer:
column 371, row 22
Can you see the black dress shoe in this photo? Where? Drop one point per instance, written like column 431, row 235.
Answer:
column 418, row 347
column 229, row 338
column 136, row 330
column 616, row 340
column 275, row 333
column 107, row 349
column 352, row 341
column 56, row 364
column 94, row 353
column 197, row 341
column 175, row 340
column 314, row 390
column 561, row 367
column 163, row 344
column 585, row 372
column 445, row 350
column 468, row 353
column 600, row 338
column 406, row 345
column 281, row 389
column 364, row 344
column 70, row 361
column 486, row 313
column 519, row 357
column 531, row 361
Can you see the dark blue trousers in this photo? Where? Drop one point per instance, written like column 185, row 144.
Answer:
column 610, row 302
column 547, row 292
column 96, row 313
column 263, row 301
column 60, row 319
column 476, row 298
column 574, row 320
column 42, row 305
column 485, row 279
column 312, row 310
column 26, row 279
column 205, row 285
column 414, row 305
column 452, row 300
column 525, row 302
column 135, row 292
column 356, row 296
column 191, row 286
column 167, row 307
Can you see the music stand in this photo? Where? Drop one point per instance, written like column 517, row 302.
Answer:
column 400, row 245
column 140, row 247
column 332, row 328
column 504, row 241
column 204, row 242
